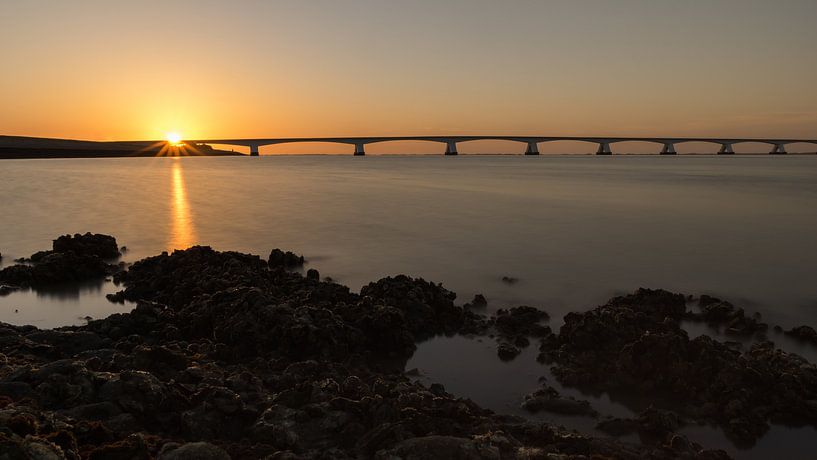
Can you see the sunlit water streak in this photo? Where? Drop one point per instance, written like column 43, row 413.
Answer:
column 183, row 231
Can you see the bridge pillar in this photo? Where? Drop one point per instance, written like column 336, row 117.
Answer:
column 669, row 149
column 779, row 149
column 532, row 149
column 450, row 148
column 604, row 149
column 726, row 149
column 254, row 151
column 359, row 151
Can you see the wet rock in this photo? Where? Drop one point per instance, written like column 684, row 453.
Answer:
column 548, row 399
column 278, row 258
column 479, row 301
column 635, row 343
column 259, row 362
column 804, row 334
column 436, row 447
column 507, row 352
column 6, row 289
column 56, row 268
column 313, row 275
column 720, row 313
column 89, row 244
column 428, row 308
column 192, row 451
column 521, row 321
column 510, row 280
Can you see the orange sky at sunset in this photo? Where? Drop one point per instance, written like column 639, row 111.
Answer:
column 129, row 71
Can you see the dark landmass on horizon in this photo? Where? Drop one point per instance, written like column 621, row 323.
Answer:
column 22, row 147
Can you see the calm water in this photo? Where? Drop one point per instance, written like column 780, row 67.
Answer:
column 575, row 230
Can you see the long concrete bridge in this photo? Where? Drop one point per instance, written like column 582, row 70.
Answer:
column 778, row 146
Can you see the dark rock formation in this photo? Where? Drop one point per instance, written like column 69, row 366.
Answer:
column 548, row 399
column 72, row 259
column 278, row 258
column 635, row 343
column 804, row 334
column 720, row 313
column 226, row 357
column 507, row 352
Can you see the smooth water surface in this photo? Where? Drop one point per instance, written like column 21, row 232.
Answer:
column 575, row 230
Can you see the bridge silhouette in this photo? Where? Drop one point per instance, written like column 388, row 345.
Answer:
column 778, row 146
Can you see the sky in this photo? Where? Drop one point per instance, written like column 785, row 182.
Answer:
column 124, row 70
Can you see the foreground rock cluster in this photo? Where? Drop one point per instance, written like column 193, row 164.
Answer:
column 636, row 343
column 227, row 355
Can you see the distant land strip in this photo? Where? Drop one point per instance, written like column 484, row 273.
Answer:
column 21, row 147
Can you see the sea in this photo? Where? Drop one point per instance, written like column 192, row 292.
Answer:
column 571, row 230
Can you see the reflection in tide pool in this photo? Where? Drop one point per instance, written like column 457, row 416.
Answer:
column 183, row 232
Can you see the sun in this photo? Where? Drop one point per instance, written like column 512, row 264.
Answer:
column 174, row 138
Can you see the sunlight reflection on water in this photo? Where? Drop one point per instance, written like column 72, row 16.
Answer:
column 183, row 231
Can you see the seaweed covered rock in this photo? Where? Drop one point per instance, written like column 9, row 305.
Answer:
column 720, row 313
column 284, row 259
column 521, row 321
column 225, row 356
column 803, row 334
column 176, row 279
column 90, row 244
column 636, row 343
column 73, row 259
column 549, row 399
column 428, row 308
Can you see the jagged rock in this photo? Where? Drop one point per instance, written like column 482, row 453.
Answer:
column 479, row 301
column 720, row 313
column 192, row 451
column 224, row 348
column 523, row 320
column 89, row 244
column 507, row 352
column 6, row 289
column 636, row 343
column 804, row 334
column 436, row 447
column 279, row 258
column 428, row 308
column 548, row 399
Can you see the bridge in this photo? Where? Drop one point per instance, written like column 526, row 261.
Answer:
column 778, row 146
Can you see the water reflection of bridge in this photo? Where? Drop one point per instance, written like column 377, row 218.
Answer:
column 778, row 146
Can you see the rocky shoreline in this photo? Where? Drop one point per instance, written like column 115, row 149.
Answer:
column 228, row 355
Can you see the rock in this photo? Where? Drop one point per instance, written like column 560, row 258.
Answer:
column 507, row 352
column 6, row 289
column 636, row 343
column 428, row 308
column 720, row 313
column 437, row 447
column 479, row 301
column 548, row 399
column 521, row 321
column 225, row 354
column 804, row 334
column 89, row 244
column 192, row 451
column 279, row 258
column 313, row 275
column 509, row 280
